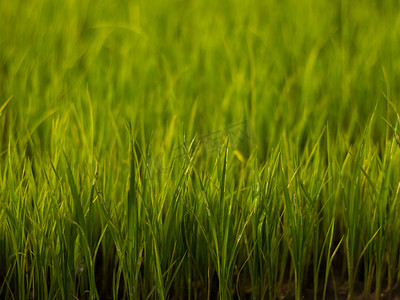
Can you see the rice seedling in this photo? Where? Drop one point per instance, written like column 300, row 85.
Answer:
column 195, row 150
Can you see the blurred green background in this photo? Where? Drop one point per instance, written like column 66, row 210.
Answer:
column 287, row 67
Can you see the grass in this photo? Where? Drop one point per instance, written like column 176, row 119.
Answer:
column 194, row 150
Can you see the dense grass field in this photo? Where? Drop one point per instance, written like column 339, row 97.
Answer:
column 199, row 150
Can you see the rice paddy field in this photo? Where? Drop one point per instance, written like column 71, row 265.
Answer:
column 199, row 150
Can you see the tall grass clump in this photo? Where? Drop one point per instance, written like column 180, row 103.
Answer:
column 195, row 150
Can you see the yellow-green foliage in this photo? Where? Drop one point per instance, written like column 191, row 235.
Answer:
column 197, row 149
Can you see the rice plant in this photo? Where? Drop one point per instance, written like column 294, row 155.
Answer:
column 197, row 150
